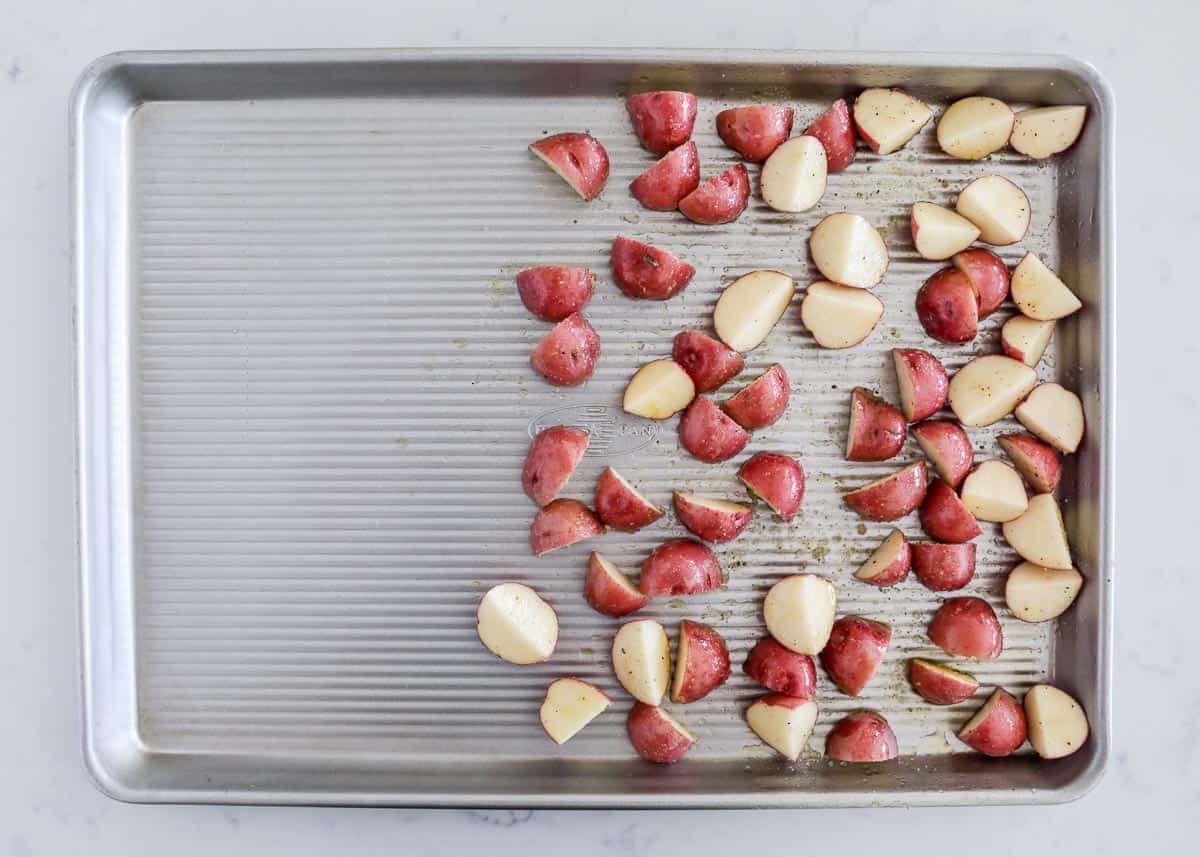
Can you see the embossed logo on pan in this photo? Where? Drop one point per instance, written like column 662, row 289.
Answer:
column 612, row 431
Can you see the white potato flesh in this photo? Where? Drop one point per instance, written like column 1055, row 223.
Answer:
column 785, row 729
column 1035, row 593
column 1039, row 535
column 570, row 704
column 839, row 316
column 975, row 127
column 793, row 178
column 799, row 612
column 1039, row 293
column 989, row 388
column 889, row 118
column 515, row 624
column 1045, row 131
column 750, row 306
column 994, row 492
column 848, row 250
column 1027, row 337
column 658, row 390
column 998, row 207
column 1055, row 414
column 641, row 657
column 1058, row 725
column 939, row 233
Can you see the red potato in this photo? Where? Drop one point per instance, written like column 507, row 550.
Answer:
column 656, row 736
column 967, row 626
column 1057, row 724
column 578, row 159
column 552, row 458
column 889, row 118
column 947, row 447
column 750, row 307
column 642, row 271
column 553, row 292
column 680, row 567
column 673, row 176
column 839, row 316
column 784, row 723
column 848, row 250
column 761, row 402
column 570, row 704
column 662, row 120
column 778, row 668
column 945, row 517
column 1054, row 414
column 721, row 199
column 836, row 132
column 641, row 660
column 799, row 612
column 711, row 519
column 708, row 361
column 939, row 684
column 755, row 132
column 998, row 207
column 701, row 662
column 998, row 728
column 621, row 506
column 943, row 568
column 922, row 381
column 1039, row 535
column 855, row 649
column 891, row 497
column 609, row 591
column 974, row 127
column 793, row 178
column 1045, row 131
column 1025, row 339
column 1037, row 594
column 988, row 388
column 658, row 390
column 775, row 479
column 567, row 355
column 947, row 308
column 864, row 736
column 1036, row 461
column 1039, row 293
column 710, row 434
column 988, row 276
column 516, row 625
column 877, row 429
column 889, row 564
column 994, row 492
column 938, row 233
column 561, row 523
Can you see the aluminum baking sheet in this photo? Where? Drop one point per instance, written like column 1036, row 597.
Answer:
column 304, row 399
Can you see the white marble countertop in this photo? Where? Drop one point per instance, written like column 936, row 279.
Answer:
column 1152, row 790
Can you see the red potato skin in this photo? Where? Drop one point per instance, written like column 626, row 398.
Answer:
column 582, row 159
column 854, row 651
column 620, row 509
column 646, row 272
column 755, row 132
column 777, row 479
column 681, row 567
column 654, row 739
column 835, row 130
column 552, row 458
column 763, row 401
column 967, row 626
column 709, row 524
column 567, row 355
column 709, row 362
column 937, row 688
column 947, row 308
column 553, row 292
column 943, row 568
column 662, row 120
column 1037, row 462
column 560, row 523
column 721, row 199
column 930, row 383
column 987, row 275
column 706, row 666
column 709, row 433
column 947, row 447
column 945, row 518
column 863, row 736
column 894, row 572
column 1002, row 731
column 673, row 176
column 778, row 668
column 877, row 428
column 890, row 498
column 607, row 597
